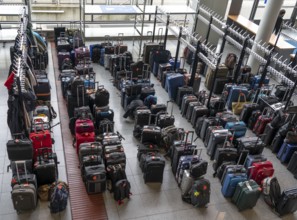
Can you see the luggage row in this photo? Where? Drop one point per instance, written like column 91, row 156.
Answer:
column 31, row 150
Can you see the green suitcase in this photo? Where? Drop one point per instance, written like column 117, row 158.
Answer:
column 246, row 195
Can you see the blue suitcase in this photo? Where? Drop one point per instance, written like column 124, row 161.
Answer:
column 166, row 81
column 255, row 81
column 172, row 61
column 93, row 46
column 234, row 93
column 254, row 159
column 237, row 128
column 286, row 152
column 173, row 82
column 230, row 182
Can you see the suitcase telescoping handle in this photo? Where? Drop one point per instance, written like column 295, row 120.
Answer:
column 21, row 162
column 189, row 133
column 172, row 104
column 197, row 151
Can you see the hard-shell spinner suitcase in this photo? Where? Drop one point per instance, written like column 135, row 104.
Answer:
column 292, row 166
column 83, row 138
column 288, row 202
column 40, row 139
column 246, row 195
column 262, row 121
column 253, row 145
column 23, row 195
column 181, row 91
column 43, row 89
column 254, row 159
column 186, row 182
column 174, row 81
column 198, row 111
column 153, row 168
column 165, row 120
column 207, row 122
column 261, row 170
column 208, row 133
column 185, row 103
column 45, row 170
column 19, row 148
column 95, row 178
column 277, row 142
column 190, row 110
column 237, row 128
column 90, row 148
column 286, row 151
column 268, row 135
column 185, row 147
column 81, row 53
column 217, row 137
column 232, row 177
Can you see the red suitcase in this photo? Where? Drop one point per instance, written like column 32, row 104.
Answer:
column 84, row 125
column 40, row 139
column 262, row 121
column 260, row 170
column 81, row 53
column 83, row 138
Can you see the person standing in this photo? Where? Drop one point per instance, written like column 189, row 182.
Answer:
column 279, row 22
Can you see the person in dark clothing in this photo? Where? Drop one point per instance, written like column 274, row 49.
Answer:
column 131, row 108
column 279, row 22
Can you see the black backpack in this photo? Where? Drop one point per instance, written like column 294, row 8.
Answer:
column 101, row 97
column 122, row 190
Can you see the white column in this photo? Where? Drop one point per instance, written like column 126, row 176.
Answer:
column 266, row 27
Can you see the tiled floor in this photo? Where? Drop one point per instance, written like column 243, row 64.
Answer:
column 149, row 201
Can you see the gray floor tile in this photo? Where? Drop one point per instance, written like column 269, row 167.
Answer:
column 132, row 208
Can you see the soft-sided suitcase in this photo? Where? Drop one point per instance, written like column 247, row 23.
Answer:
column 250, row 159
column 208, row 132
column 95, row 178
column 247, row 111
column 153, row 168
column 190, row 110
column 165, row 120
column 40, row 139
column 287, row 203
column 19, row 149
column 261, row 123
column 198, row 111
column 233, row 175
column 292, row 166
column 81, row 53
column 225, row 117
column 174, row 81
column 277, row 142
column 187, row 99
column 181, row 91
column 151, row 133
column 115, row 158
column 45, row 170
column 234, row 94
column 261, row 170
column 145, row 148
column 238, row 129
column 61, row 57
column 246, row 195
column 217, row 137
column 163, row 67
column 43, row 89
column 83, row 138
column 253, row 119
column 90, row 148
column 224, row 155
column 268, row 135
column 253, row 145
column 142, row 117
column 210, row 121
column 101, row 115
column 63, row 45
column 23, row 195
column 286, row 151
column 146, row 91
column 147, row 48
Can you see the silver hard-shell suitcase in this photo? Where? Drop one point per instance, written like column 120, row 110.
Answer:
column 186, row 183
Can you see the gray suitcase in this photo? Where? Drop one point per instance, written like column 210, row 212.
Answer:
column 24, row 195
column 186, row 183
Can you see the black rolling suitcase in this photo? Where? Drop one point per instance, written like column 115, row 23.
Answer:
column 182, row 148
column 90, row 148
column 190, row 110
column 253, row 145
column 115, row 158
column 145, row 148
column 155, row 109
column 45, row 170
column 268, row 134
column 198, row 112
column 185, row 103
column 198, row 125
column 151, row 133
column 247, row 111
column 225, row 117
column 153, row 167
column 210, row 121
column 223, row 155
column 209, row 131
column 181, row 91
column 292, row 166
column 287, row 203
column 165, row 120
column 142, row 117
column 95, row 178
column 19, row 148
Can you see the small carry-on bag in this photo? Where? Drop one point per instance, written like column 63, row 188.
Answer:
column 165, row 120
column 95, row 178
column 19, row 148
column 153, row 167
column 146, row 148
column 24, row 195
column 151, row 133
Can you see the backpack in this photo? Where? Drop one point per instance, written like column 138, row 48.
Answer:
column 122, row 190
column 199, row 194
column 101, row 97
column 116, row 173
column 59, row 197
column 230, row 60
column 271, row 191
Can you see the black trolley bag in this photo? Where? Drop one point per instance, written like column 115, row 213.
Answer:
column 269, row 133
column 198, row 111
column 208, row 133
column 115, row 158
column 182, row 148
column 247, row 111
column 24, row 194
column 199, row 168
column 292, row 166
column 190, row 110
column 95, row 178
column 142, row 117
column 19, row 148
column 151, row 133
column 207, row 121
column 165, row 120
column 154, row 164
column 287, row 203
column 146, row 148
column 181, row 91
column 223, row 155
column 253, row 145
column 185, row 103
column 89, row 148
